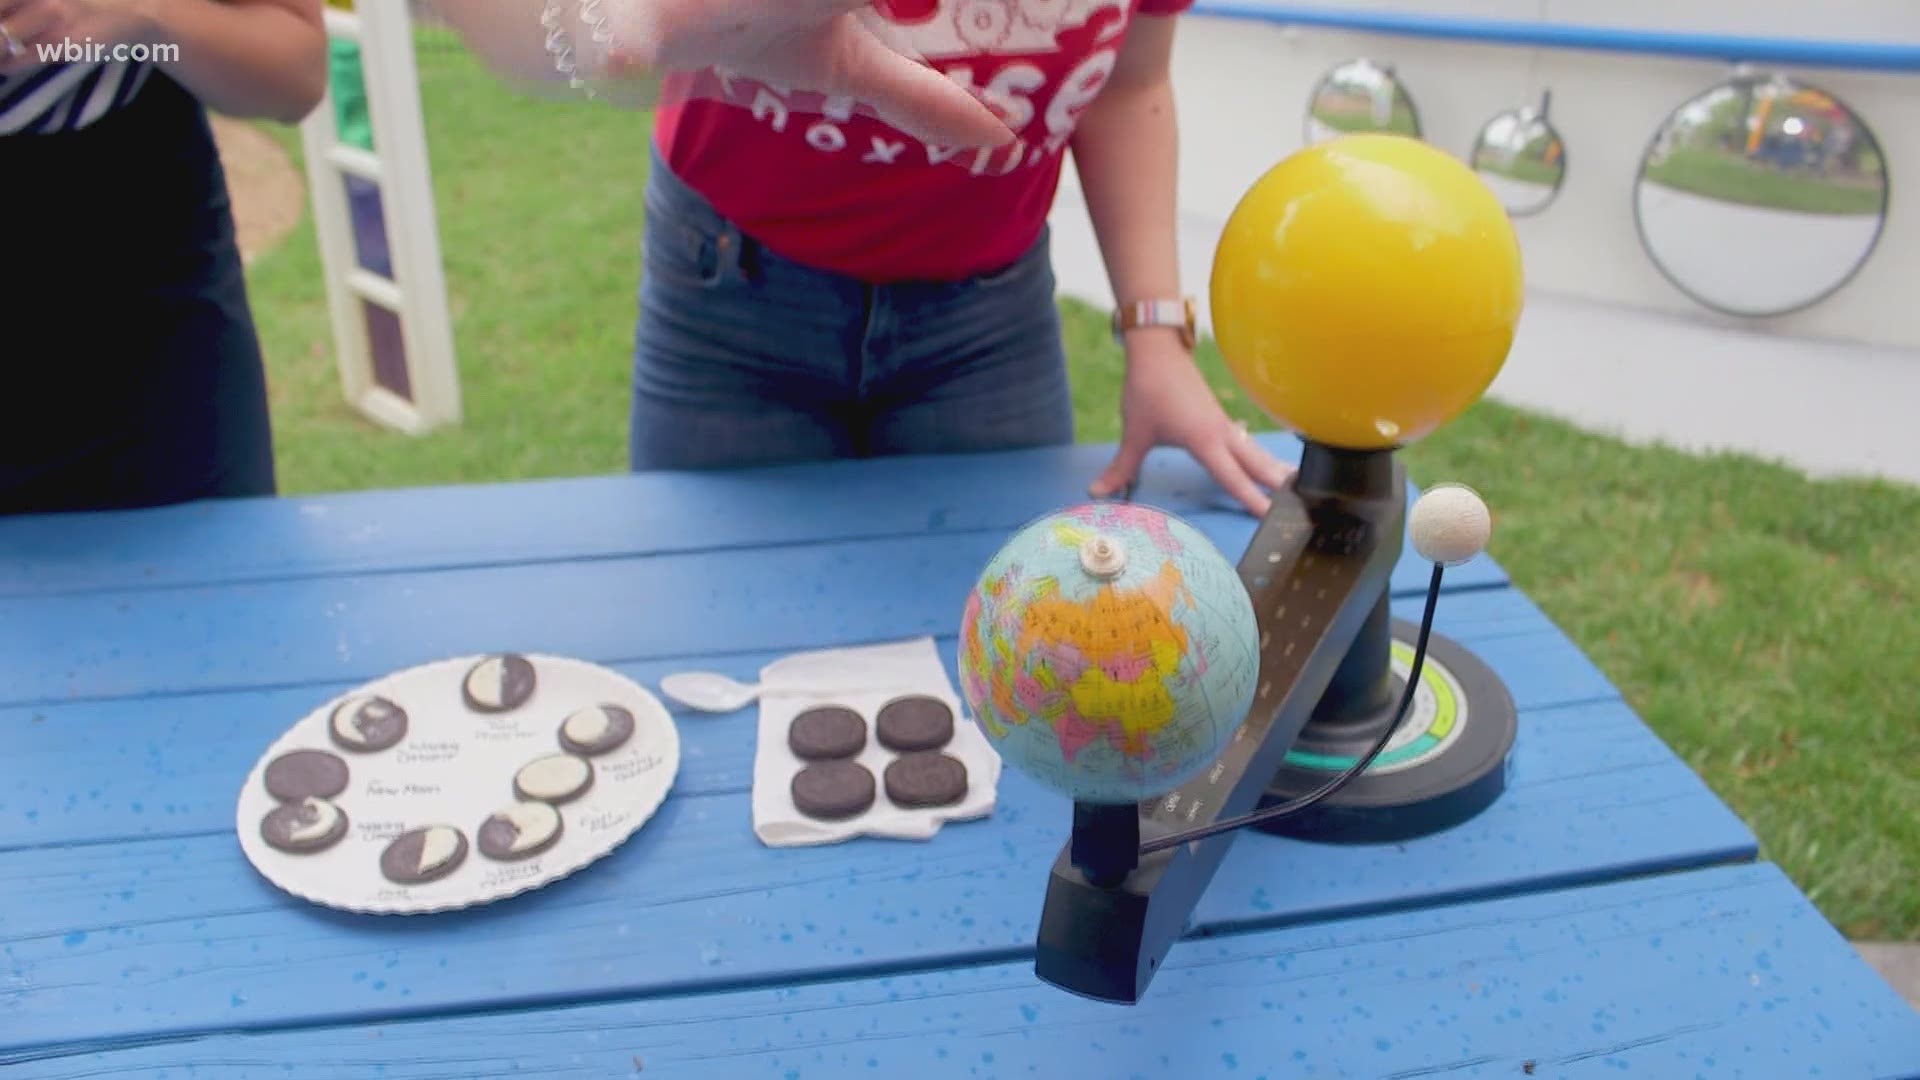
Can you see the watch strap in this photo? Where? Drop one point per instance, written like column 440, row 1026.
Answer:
column 1178, row 314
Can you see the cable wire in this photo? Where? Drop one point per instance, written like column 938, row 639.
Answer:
column 1327, row 790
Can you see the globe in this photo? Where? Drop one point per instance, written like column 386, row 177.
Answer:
column 1109, row 651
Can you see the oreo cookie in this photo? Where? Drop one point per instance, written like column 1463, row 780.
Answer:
column 305, row 774
column 521, row 831
column 304, row 826
column 833, row 790
column 368, row 724
column 910, row 724
column 556, row 779
column 422, row 855
column 596, row 729
column 498, row 684
column 827, row 733
column 926, row 779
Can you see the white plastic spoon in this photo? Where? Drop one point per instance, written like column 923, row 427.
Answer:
column 708, row 691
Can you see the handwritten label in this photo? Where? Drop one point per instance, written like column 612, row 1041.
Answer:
column 500, row 729
column 606, row 821
column 507, row 875
column 409, row 789
column 429, row 751
column 631, row 767
column 381, row 830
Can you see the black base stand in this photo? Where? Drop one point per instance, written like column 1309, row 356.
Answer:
column 1447, row 763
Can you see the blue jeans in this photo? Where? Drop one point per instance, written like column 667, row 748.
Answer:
column 742, row 357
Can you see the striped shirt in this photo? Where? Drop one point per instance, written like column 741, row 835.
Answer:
column 67, row 97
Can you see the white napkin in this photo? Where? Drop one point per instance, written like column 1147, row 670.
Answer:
column 862, row 679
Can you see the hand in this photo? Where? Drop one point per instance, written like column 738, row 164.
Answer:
column 832, row 47
column 1166, row 402
column 47, row 23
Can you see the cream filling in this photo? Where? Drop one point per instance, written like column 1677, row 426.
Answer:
column 487, row 681
column 316, row 820
column 553, row 776
column 533, row 824
column 344, row 717
column 439, row 845
column 588, row 726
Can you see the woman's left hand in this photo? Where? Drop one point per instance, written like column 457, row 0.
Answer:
column 1166, row 402
column 50, row 24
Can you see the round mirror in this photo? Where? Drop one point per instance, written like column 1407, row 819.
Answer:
column 1360, row 95
column 1521, row 158
column 1761, row 196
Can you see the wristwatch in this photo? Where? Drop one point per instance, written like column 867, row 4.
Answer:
column 1178, row 314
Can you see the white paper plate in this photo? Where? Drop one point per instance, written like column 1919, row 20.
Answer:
column 455, row 767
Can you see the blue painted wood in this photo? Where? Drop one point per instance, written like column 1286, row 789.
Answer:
column 1715, row 973
column 292, row 632
column 589, row 517
column 155, row 767
column 178, row 936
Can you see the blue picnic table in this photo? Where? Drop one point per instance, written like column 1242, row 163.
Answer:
column 1609, row 914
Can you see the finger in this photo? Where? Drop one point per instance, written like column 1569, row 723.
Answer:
column 1268, row 471
column 1121, row 473
column 38, row 24
column 33, row 24
column 911, row 96
column 1220, row 462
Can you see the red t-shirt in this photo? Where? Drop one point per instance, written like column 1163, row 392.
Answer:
column 825, row 185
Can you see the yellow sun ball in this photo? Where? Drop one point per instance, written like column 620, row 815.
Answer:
column 1366, row 290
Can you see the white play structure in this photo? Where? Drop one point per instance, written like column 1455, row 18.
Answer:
column 393, row 338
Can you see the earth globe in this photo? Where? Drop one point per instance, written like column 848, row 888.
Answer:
column 1109, row 651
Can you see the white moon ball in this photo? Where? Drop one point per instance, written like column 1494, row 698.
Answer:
column 1450, row 524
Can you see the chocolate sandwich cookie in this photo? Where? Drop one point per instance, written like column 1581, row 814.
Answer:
column 521, row 831
column 910, row 724
column 827, row 732
column 556, row 779
column 422, row 855
column 304, row 826
column 596, row 729
column 926, row 779
column 305, row 774
column 499, row 683
column 368, row 723
column 833, row 790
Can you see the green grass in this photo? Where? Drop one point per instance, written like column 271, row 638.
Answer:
column 1720, row 176
column 1760, row 622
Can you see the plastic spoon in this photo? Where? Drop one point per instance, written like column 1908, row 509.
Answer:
column 709, row 691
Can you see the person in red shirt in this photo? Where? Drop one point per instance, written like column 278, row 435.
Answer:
column 816, row 282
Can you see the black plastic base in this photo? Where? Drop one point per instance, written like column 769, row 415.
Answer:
column 1426, row 782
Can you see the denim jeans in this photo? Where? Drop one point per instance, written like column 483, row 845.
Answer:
column 742, row 357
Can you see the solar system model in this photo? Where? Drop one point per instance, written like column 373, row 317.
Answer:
column 1366, row 291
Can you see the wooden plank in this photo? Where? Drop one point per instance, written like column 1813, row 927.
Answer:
column 587, row 517
column 299, row 631
column 178, row 936
column 1725, row 972
column 153, row 767
column 118, row 769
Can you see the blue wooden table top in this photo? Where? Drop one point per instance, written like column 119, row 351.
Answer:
column 1607, row 914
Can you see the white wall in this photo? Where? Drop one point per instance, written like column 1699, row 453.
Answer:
column 1243, row 88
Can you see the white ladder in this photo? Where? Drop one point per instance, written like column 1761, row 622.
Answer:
column 427, row 395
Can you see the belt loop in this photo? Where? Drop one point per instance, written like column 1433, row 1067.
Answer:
column 736, row 252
